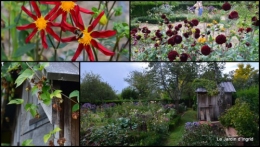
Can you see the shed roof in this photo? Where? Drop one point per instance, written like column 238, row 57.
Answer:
column 228, row 87
column 65, row 71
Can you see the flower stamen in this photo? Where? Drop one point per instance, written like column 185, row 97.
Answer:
column 66, row 6
column 41, row 23
column 86, row 38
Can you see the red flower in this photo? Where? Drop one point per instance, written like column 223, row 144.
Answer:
column 138, row 37
column 254, row 18
column 171, row 41
column 256, row 23
column 205, row 50
column 186, row 35
column 248, row 30
column 226, row 6
column 197, row 31
column 195, row 22
column 247, row 44
column 184, row 57
column 185, row 21
column 177, row 39
column 229, row 45
column 197, row 35
column 64, row 8
column 156, row 45
column 241, row 30
column 172, row 55
column 169, row 33
column 170, row 26
column 87, row 39
column 177, row 28
column 233, row 15
column 179, row 25
column 163, row 16
column 220, row 39
column 40, row 23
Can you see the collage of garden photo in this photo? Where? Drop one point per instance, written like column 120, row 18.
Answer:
column 129, row 73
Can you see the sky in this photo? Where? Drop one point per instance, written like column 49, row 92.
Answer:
column 115, row 73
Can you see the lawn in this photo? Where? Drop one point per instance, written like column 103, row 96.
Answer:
column 175, row 136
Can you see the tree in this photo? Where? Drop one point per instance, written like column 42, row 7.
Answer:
column 245, row 76
column 128, row 93
column 93, row 90
column 173, row 77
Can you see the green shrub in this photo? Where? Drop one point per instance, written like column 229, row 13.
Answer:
column 203, row 135
column 174, row 123
column 250, row 96
column 241, row 118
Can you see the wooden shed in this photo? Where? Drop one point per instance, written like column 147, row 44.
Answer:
column 22, row 126
column 210, row 107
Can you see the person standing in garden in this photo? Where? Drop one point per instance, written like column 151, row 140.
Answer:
column 200, row 8
column 196, row 8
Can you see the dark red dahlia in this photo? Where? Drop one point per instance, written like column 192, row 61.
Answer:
column 226, row 6
column 241, row 30
column 195, row 22
column 256, row 23
column 177, row 28
column 153, row 38
column 197, row 30
column 156, row 45
column 158, row 34
column 184, row 57
column 170, row 26
column 191, row 24
column 185, row 21
column 254, row 18
column 233, row 15
column 163, row 16
column 179, row 25
column 247, row 44
column 174, row 32
column 169, row 33
column 220, row 39
column 171, row 41
column 166, row 21
column 229, row 45
column 205, row 50
column 172, row 55
column 186, row 35
column 138, row 37
column 177, row 39
column 248, row 30
column 197, row 35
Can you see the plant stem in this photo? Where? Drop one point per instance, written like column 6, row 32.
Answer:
column 114, row 49
column 95, row 53
column 55, row 50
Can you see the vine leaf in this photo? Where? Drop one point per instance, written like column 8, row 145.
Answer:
column 43, row 65
column 32, row 108
column 26, row 74
column 56, row 93
column 46, row 137
column 16, row 101
column 34, row 90
column 27, row 142
column 75, row 107
column 57, row 129
column 74, row 93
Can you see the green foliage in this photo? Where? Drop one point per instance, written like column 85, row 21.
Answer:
column 16, row 101
column 204, row 135
column 46, row 137
column 28, row 73
column 27, row 142
column 174, row 123
column 251, row 96
column 129, row 93
column 74, row 93
column 209, row 85
column 241, row 118
column 56, row 93
column 94, row 90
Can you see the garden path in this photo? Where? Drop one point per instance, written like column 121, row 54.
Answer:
column 175, row 136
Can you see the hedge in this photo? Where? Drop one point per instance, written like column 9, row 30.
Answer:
column 141, row 8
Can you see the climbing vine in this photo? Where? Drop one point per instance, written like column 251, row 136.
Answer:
column 209, row 85
column 14, row 74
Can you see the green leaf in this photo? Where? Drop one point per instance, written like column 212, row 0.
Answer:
column 74, row 93
column 47, row 102
column 56, row 93
column 46, row 137
column 16, row 101
column 57, row 129
column 27, row 142
column 33, row 112
column 28, row 106
column 34, row 90
column 21, row 78
column 75, row 107
column 43, row 65
column 23, row 49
